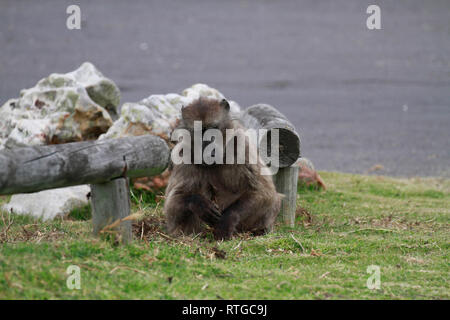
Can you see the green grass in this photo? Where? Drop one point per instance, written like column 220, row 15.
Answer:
column 400, row 225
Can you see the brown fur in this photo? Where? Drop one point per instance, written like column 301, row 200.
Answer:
column 229, row 198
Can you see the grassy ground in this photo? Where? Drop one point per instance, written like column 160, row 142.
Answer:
column 400, row 225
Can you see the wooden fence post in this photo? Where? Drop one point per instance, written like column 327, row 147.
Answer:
column 264, row 116
column 110, row 203
column 286, row 183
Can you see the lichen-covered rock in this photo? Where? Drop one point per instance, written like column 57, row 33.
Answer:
column 305, row 162
column 48, row 204
column 307, row 175
column 158, row 114
column 101, row 90
column 60, row 108
column 202, row 90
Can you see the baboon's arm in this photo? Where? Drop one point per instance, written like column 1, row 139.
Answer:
column 206, row 210
column 232, row 215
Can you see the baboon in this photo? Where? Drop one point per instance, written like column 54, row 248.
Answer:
column 228, row 197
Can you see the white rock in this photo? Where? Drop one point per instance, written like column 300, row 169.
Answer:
column 48, row 204
column 32, row 128
column 159, row 113
column 60, row 108
column 202, row 90
column 100, row 89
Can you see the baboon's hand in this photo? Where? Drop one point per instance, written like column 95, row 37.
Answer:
column 222, row 233
column 210, row 215
column 206, row 210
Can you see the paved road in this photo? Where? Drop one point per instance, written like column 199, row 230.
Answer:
column 358, row 97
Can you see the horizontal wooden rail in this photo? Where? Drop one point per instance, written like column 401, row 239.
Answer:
column 264, row 116
column 32, row 169
column 106, row 165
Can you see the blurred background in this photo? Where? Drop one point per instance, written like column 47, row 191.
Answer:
column 361, row 99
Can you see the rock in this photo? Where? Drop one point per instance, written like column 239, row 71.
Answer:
column 305, row 162
column 158, row 114
column 153, row 184
column 202, row 90
column 60, row 108
column 307, row 175
column 376, row 167
column 101, row 90
column 48, row 204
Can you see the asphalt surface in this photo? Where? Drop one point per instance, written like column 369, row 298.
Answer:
column 358, row 97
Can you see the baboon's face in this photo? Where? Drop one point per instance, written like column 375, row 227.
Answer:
column 213, row 114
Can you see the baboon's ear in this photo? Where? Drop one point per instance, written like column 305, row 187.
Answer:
column 224, row 103
column 183, row 111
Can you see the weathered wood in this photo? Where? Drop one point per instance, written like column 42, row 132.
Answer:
column 264, row 116
column 32, row 169
column 110, row 203
column 286, row 183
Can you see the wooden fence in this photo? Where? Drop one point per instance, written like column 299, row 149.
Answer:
column 107, row 164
